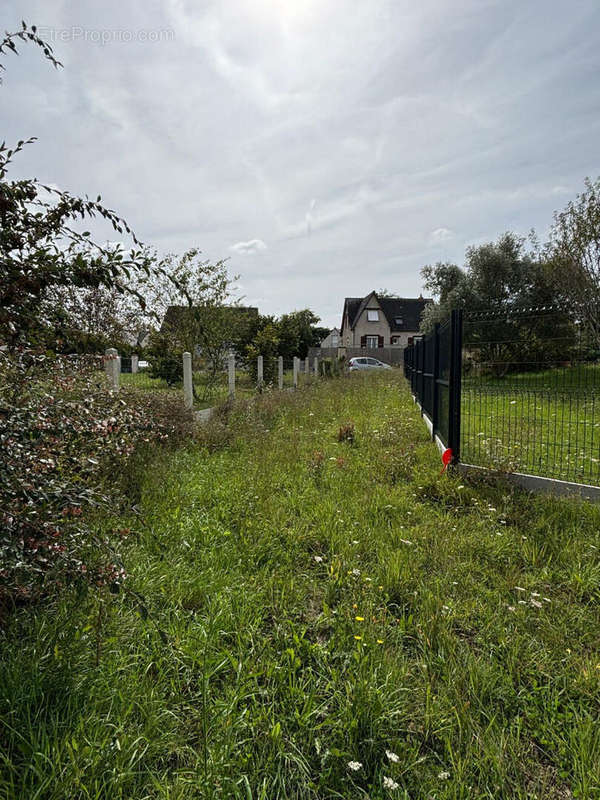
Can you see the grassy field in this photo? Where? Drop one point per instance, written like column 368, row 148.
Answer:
column 545, row 423
column 327, row 619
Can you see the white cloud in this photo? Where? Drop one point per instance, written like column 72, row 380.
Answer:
column 440, row 235
column 355, row 139
column 249, row 248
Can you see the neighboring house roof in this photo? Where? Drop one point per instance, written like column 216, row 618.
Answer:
column 401, row 313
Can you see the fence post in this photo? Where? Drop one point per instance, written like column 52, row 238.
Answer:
column 134, row 363
column 188, row 388
column 113, row 367
column 259, row 372
column 455, row 384
column 231, row 374
column 295, row 373
column 316, row 364
column 436, row 374
column 280, row 372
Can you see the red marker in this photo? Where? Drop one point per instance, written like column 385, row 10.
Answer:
column 446, row 459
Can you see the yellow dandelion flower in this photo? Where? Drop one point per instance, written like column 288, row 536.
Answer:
column 358, row 638
column 359, row 619
column 379, row 641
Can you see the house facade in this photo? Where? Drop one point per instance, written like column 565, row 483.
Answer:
column 374, row 323
column 331, row 340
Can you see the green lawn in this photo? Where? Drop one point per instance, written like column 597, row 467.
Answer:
column 326, row 620
column 545, row 423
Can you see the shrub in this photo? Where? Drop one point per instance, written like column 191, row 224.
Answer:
column 166, row 361
column 67, row 440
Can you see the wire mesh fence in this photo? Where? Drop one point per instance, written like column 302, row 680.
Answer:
column 514, row 391
column 531, row 394
column 211, row 382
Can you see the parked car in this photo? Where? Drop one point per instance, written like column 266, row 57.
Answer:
column 364, row 362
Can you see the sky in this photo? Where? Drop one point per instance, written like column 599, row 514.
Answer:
column 325, row 147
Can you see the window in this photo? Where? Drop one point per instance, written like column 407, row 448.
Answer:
column 395, row 339
column 372, row 341
column 398, row 320
column 372, row 315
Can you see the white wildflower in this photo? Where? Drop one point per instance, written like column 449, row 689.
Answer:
column 318, row 559
column 356, row 572
column 536, row 603
column 389, row 783
column 443, row 776
column 354, row 765
column 393, row 757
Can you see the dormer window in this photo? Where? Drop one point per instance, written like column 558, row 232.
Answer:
column 372, row 315
column 398, row 320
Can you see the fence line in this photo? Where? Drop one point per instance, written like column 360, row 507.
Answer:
column 269, row 369
column 433, row 367
column 516, row 392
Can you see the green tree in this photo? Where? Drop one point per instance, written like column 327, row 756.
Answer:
column 573, row 256
column 266, row 343
column 297, row 332
column 502, row 279
column 42, row 252
column 190, row 295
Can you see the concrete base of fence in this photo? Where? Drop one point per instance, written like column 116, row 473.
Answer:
column 535, row 483
column 204, row 414
column 440, row 445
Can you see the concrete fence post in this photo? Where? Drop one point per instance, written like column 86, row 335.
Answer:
column 231, row 374
column 188, row 387
column 134, row 363
column 113, row 367
column 259, row 372
column 316, row 362
column 307, row 366
column 280, row 372
column 295, row 372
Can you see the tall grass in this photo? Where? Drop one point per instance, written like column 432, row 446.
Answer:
column 316, row 601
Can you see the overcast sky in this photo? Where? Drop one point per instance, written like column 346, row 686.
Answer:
column 326, row 147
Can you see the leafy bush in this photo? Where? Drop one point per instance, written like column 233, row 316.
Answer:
column 166, row 360
column 67, row 440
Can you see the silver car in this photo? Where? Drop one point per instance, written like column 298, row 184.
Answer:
column 364, row 362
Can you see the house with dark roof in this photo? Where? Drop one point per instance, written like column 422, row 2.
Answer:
column 374, row 322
